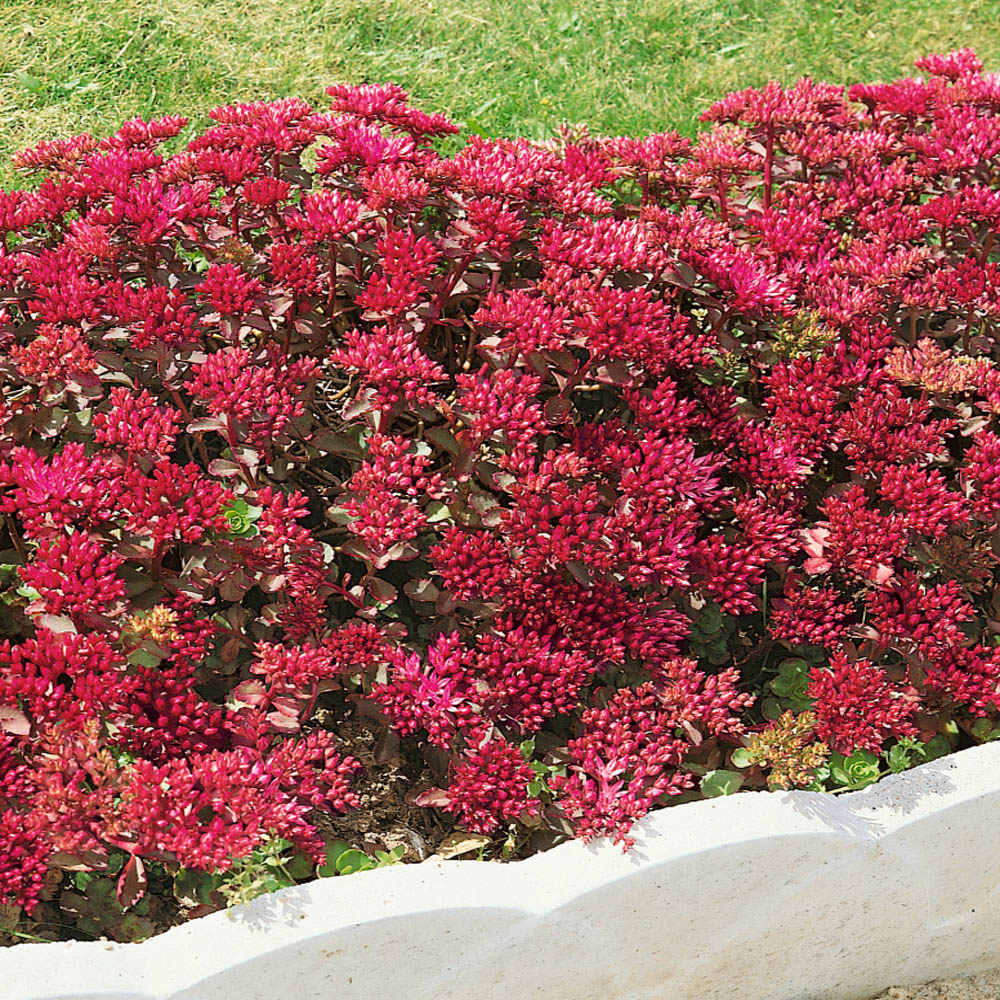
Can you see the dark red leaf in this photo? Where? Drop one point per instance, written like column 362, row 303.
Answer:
column 132, row 882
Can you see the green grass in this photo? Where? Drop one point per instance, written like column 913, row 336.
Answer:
column 501, row 67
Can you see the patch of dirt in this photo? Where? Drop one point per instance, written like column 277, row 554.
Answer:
column 385, row 819
column 985, row 986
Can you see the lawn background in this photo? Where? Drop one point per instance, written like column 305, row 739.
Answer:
column 499, row 67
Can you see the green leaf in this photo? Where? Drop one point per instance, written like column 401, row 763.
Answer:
column 142, row 657
column 444, row 439
column 436, row 511
column 710, row 619
column 338, row 515
column 334, row 443
column 332, row 851
column 983, row 730
column 937, row 747
column 82, row 879
column 386, row 858
column 741, row 757
column 353, row 861
column 717, row 652
column 899, row 758
column 720, row 783
column 194, row 887
column 838, row 775
column 770, row 709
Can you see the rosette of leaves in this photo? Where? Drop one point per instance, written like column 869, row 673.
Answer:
column 711, row 631
column 789, row 688
column 860, row 769
column 240, row 517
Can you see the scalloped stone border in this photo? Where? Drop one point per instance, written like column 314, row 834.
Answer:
column 759, row 896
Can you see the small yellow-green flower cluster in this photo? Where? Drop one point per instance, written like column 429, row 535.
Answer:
column 789, row 747
column 804, row 334
column 156, row 624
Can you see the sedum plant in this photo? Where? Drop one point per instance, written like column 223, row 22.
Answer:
column 578, row 446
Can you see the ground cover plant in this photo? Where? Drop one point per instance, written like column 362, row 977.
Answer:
column 551, row 481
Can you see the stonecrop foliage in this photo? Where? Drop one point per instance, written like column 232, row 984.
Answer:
column 541, row 455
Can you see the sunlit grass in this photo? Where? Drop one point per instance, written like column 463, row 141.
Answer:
column 501, row 67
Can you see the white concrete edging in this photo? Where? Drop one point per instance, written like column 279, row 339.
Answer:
column 758, row 896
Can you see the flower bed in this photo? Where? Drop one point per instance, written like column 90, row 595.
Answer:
column 543, row 483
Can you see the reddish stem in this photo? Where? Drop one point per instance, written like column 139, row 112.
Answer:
column 987, row 247
column 156, row 562
column 723, row 204
column 331, row 300
column 310, row 705
column 452, row 280
column 15, row 537
column 233, row 448
column 768, row 162
column 182, row 406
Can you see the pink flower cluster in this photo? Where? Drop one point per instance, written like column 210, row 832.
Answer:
column 496, row 447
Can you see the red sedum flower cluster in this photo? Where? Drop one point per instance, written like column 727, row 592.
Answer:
column 477, row 445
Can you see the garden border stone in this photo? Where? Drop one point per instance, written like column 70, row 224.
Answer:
column 756, row 896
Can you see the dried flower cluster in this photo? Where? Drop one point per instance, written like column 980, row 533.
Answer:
column 506, row 444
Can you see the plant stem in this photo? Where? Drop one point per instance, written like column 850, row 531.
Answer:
column 768, row 161
column 310, row 705
column 15, row 537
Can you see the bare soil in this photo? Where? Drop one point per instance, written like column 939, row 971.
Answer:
column 985, row 986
